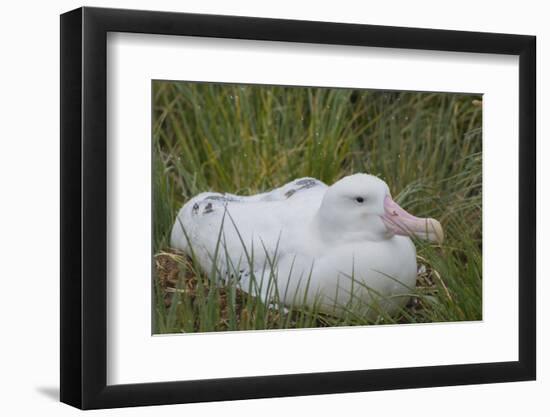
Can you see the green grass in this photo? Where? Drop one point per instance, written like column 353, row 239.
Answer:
column 248, row 139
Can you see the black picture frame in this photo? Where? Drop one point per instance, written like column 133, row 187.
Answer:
column 84, row 207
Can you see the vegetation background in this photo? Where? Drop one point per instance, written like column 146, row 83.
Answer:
column 246, row 139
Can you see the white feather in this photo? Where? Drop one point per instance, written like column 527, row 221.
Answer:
column 308, row 236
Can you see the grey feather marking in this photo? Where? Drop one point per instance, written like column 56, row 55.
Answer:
column 208, row 209
column 303, row 184
column 306, row 183
column 216, row 198
column 222, row 198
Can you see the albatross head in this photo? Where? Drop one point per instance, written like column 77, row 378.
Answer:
column 360, row 207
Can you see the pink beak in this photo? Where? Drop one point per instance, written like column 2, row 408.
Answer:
column 399, row 222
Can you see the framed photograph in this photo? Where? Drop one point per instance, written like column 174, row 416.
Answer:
column 256, row 208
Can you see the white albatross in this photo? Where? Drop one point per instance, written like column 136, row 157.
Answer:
column 308, row 243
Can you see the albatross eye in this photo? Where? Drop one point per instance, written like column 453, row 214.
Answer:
column 359, row 199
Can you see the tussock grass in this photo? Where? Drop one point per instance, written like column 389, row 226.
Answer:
column 248, row 139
